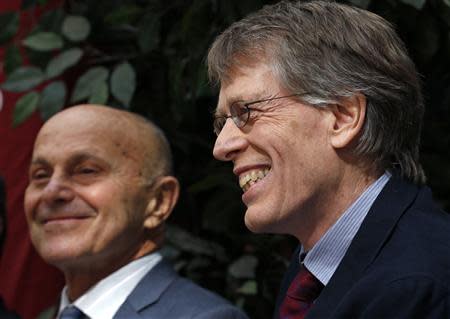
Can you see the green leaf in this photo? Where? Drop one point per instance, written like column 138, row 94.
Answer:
column 9, row 24
column 63, row 61
column 23, row 78
column 123, row 83
column 76, row 28
column 13, row 59
column 52, row 99
column 99, row 94
column 25, row 106
column 244, row 267
column 250, row 287
column 148, row 36
column 88, row 81
column 43, row 41
column 418, row 4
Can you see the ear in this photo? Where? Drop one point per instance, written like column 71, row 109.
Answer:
column 164, row 196
column 348, row 119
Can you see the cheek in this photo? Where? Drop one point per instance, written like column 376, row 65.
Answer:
column 114, row 201
column 30, row 200
column 103, row 195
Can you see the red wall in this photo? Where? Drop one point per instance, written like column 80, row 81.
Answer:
column 27, row 284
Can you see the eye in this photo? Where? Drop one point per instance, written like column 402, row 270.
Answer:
column 39, row 174
column 240, row 114
column 86, row 170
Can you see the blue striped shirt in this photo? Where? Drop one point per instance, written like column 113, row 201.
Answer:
column 325, row 256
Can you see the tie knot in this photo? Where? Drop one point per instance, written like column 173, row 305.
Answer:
column 302, row 292
column 71, row 312
column 305, row 287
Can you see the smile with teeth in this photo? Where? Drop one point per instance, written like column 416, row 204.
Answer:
column 252, row 177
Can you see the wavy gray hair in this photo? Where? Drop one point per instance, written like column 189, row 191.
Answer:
column 333, row 50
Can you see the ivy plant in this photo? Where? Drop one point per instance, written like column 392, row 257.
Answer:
column 59, row 49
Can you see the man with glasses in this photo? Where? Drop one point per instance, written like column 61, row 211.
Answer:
column 100, row 189
column 320, row 110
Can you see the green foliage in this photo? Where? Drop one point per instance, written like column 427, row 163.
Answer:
column 53, row 98
column 23, row 79
column 9, row 24
column 100, row 93
column 12, row 59
column 76, row 28
column 87, row 83
column 149, row 56
column 25, row 106
column 148, row 35
column 418, row 4
column 63, row 61
column 43, row 41
column 123, row 83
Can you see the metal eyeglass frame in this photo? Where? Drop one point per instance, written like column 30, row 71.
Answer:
column 240, row 112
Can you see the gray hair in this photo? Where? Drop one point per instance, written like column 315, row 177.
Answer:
column 331, row 51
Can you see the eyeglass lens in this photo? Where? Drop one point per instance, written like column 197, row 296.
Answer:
column 239, row 113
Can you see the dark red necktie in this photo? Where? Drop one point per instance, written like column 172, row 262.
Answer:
column 302, row 292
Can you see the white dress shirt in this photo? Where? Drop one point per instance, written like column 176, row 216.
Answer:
column 103, row 299
column 326, row 255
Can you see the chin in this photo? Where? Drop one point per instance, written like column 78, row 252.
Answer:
column 258, row 225
column 58, row 253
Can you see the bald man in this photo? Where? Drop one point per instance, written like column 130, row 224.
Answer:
column 101, row 188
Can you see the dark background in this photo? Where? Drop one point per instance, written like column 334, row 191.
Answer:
column 166, row 43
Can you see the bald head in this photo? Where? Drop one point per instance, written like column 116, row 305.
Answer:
column 134, row 137
column 99, row 192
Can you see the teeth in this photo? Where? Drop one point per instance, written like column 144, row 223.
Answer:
column 251, row 178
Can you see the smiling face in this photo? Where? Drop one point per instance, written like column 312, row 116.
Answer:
column 87, row 197
column 283, row 158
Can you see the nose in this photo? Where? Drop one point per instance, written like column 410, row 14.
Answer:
column 229, row 143
column 57, row 191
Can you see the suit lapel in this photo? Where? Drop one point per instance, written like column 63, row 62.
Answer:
column 148, row 291
column 384, row 214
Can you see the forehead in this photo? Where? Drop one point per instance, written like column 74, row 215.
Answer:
column 246, row 84
column 69, row 134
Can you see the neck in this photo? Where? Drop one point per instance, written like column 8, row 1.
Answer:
column 81, row 276
column 332, row 204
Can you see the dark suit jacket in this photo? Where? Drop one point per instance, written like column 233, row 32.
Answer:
column 162, row 293
column 397, row 266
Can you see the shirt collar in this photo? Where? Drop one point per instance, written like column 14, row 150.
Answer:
column 103, row 299
column 325, row 256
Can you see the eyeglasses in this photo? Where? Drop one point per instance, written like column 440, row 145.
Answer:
column 240, row 112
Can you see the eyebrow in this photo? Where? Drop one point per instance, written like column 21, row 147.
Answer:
column 39, row 161
column 75, row 158
column 240, row 98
